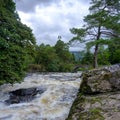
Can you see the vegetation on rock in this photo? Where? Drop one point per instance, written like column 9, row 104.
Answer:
column 98, row 97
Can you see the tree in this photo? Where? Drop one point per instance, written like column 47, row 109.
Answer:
column 102, row 25
column 87, row 58
column 62, row 50
column 16, row 44
column 53, row 58
column 103, row 56
column 47, row 58
column 114, row 50
column 65, row 57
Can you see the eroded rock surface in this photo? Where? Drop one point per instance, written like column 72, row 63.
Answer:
column 99, row 95
column 104, row 106
column 101, row 80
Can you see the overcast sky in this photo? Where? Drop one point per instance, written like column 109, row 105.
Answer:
column 50, row 18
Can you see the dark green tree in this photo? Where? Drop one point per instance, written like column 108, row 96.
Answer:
column 87, row 58
column 65, row 57
column 114, row 50
column 53, row 58
column 16, row 44
column 103, row 56
column 47, row 58
column 102, row 25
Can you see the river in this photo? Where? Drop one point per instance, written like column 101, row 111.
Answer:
column 60, row 90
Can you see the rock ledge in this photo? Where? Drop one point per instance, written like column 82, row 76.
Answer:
column 99, row 95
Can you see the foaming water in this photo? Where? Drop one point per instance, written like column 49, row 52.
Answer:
column 53, row 104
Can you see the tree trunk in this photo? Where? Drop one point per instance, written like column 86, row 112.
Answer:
column 95, row 61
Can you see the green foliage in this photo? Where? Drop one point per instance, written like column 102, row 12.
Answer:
column 88, row 58
column 54, row 59
column 102, row 25
column 16, row 44
column 114, row 50
column 47, row 57
column 103, row 56
column 65, row 57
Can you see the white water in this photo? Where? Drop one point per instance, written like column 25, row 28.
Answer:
column 53, row 104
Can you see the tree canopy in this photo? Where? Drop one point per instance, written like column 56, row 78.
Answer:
column 101, row 25
column 53, row 58
column 16, row 44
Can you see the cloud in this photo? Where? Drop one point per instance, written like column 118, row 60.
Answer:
column 50, row 18
column 29, row 5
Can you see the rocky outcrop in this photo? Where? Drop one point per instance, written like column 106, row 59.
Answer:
column 101, row 80
column 23, row 95
column 99, row 95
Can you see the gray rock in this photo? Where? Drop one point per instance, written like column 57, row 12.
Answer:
column 102, row 80
column 93, row 106
column 23, row 95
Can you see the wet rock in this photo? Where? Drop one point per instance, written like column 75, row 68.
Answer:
column 23, row 95
column 101, row 80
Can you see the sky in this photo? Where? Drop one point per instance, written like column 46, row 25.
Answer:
column 52, row 18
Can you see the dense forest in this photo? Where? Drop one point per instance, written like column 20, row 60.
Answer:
column 20, row 54
column 17, row 44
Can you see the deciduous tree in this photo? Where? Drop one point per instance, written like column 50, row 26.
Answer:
column 16, row 44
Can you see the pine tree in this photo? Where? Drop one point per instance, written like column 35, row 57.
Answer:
column 102, row 25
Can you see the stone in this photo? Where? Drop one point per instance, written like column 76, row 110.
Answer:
column 23, row 95
column 99, row 95
column 102, row 80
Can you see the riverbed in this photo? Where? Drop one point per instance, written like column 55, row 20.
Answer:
column 54, row 103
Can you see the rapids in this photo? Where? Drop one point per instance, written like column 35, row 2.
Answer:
column 60, row 90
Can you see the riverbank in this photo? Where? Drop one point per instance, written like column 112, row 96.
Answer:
column 99, row 95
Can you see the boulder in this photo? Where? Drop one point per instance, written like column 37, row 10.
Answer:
column 100, row 97
column 101, row 80
column 23, row 95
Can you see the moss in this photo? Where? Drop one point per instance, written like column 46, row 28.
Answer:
column 95, row 114
column 77, row 106
column 95, row 99
column 83, row 116
column 85, row 88
column 78, row 111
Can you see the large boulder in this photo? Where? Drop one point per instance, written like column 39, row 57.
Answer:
column 89, row 105
column 24, row 95
column 102, row 80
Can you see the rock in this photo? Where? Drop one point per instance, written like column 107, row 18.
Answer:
column 96, row 107
column 23, row 95
column 24, row 92
column 101, row 80
column 99, row 95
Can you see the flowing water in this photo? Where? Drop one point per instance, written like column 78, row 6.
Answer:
column 54, row 103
